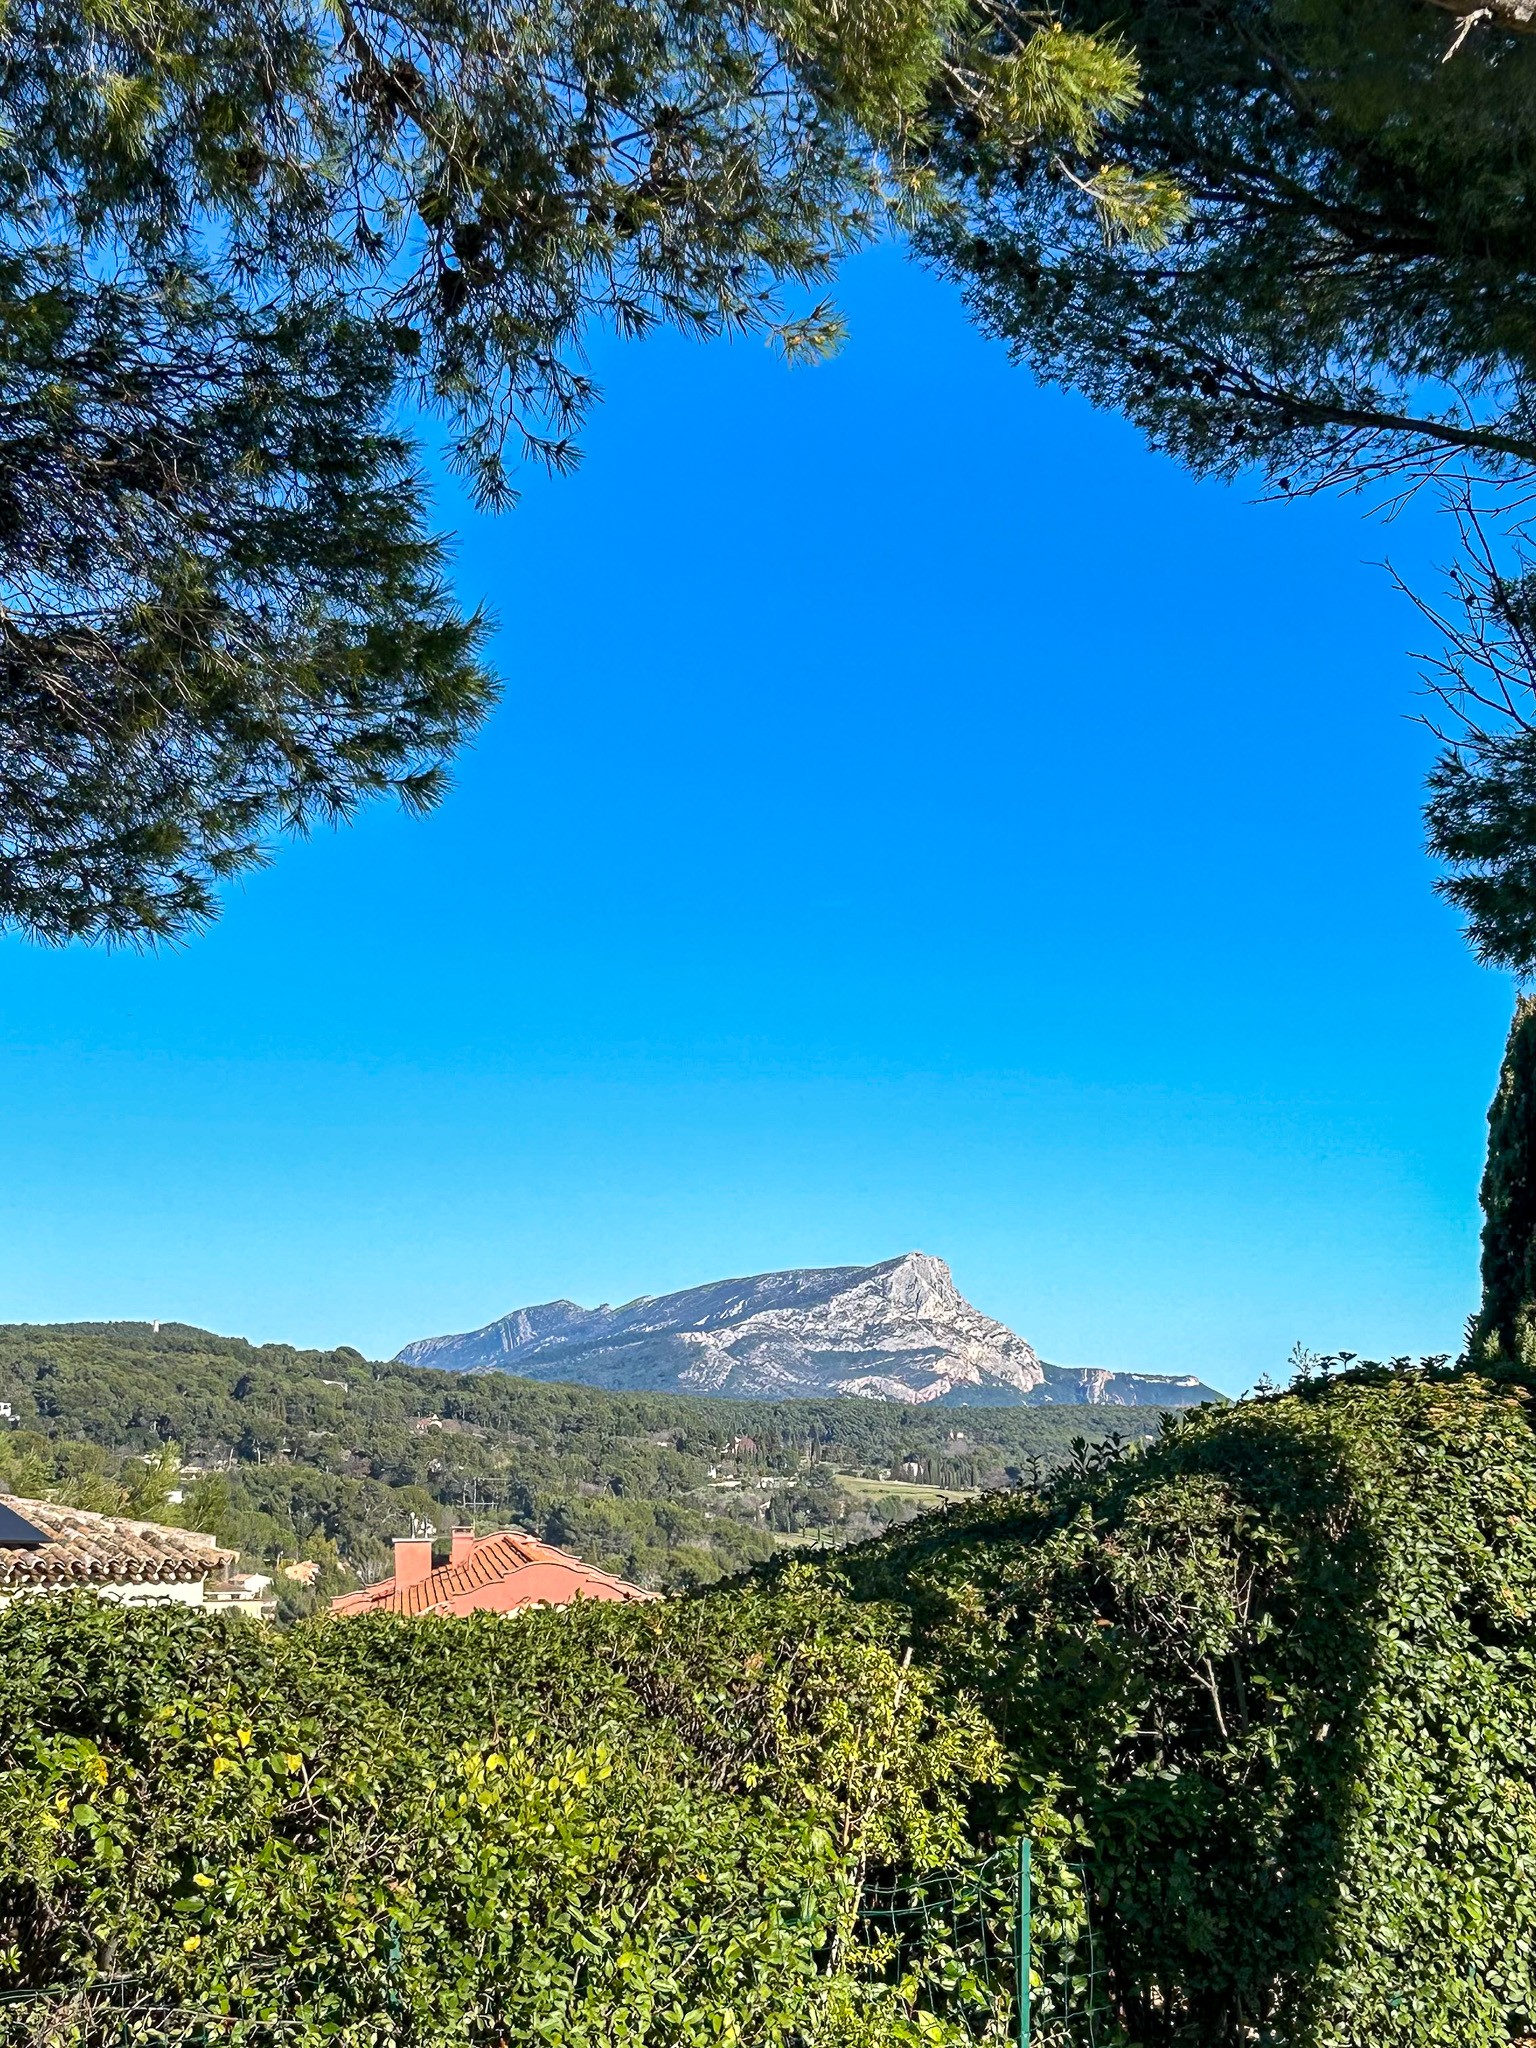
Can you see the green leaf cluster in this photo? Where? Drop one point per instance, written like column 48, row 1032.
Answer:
column 1278, row 1672
column 605, row 1824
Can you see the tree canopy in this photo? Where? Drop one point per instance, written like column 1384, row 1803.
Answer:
column 224, row 614
column 327, row 1455
column 1349, row 299
column 1352, row 290
column 235, row 239
column 1482, row 790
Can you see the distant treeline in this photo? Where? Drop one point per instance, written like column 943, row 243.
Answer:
column 325, row 1453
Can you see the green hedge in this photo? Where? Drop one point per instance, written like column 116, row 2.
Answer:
column 612, row 1824
column 1278, row 1672
column 1274, row 1677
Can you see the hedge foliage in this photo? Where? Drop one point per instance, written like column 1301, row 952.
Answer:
column 1274, row 1677
column 1278, row 1670
column 615, row 1824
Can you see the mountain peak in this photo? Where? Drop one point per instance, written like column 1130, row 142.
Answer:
column 918, row 1281
column 897, row 1331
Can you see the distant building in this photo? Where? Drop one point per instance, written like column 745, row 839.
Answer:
column 49, row 1549
column 242, row 1593
column 485, row 1575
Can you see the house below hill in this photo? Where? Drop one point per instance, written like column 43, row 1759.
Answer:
column 247, row 1593
column 485, row 1575
column 49, row 1549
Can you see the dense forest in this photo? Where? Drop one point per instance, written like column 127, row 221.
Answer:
column 328, row 1455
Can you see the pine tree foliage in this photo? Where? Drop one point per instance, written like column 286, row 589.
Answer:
column 1348, row 298
column 498, row 179
column 1481, row 811
column 234, row 237
column 224, row 614
column 1505, row 1328
column 1352, row 291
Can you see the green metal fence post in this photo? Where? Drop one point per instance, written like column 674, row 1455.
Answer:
column 1021, row 1944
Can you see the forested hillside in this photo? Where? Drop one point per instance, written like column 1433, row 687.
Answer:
column 328, row 1455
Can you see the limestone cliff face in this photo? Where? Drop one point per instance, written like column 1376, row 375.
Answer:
column 899, row 1331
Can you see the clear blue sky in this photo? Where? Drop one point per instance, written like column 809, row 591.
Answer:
column 918, row 818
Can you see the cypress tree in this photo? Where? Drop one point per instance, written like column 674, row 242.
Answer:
column 1505, row 1328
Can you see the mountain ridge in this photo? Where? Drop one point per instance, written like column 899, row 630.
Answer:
column 899, row 1330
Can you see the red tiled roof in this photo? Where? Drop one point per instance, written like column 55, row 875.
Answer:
column 86, row 1549
column 499, row 1574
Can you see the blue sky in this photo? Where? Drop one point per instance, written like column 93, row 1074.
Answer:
column 918, row 818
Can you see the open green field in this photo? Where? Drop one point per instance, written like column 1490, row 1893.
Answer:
column 906, row 1489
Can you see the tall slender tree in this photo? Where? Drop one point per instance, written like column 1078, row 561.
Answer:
column 1504, row 1330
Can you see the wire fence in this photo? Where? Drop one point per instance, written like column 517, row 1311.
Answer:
column 965, row 1945
column 948, row 1943
column 122, row 2012
column 962, row 1944
column 1069, row 2006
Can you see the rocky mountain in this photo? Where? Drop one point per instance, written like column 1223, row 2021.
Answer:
column 900, row 1331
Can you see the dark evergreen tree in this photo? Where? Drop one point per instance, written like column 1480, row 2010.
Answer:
column 225, row 616
column 1353, row 289
column 1482, row 791
column 1505, row 1327
column 1350, row 297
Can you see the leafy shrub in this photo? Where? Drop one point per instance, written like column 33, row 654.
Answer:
column 616, row 1824
column 1278, row 1671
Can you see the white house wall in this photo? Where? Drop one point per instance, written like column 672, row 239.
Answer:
column 154, row 1593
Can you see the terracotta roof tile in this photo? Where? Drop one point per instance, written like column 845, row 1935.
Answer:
column 86, row 1549
column 488, row 1577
